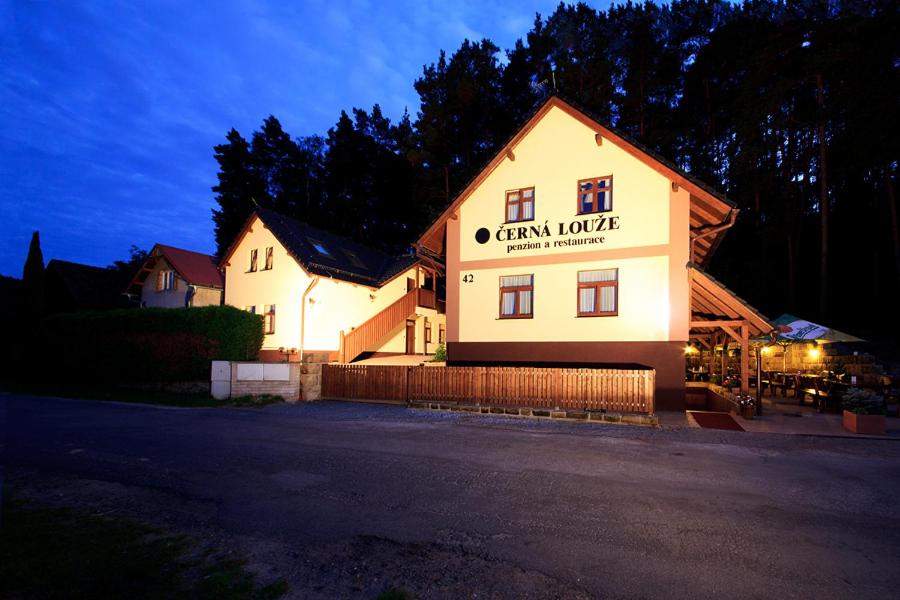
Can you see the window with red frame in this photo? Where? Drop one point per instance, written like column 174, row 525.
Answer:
column 269, row 319
column 520, row 205
column 595, row 195
column 598, row 293
column 516, row 292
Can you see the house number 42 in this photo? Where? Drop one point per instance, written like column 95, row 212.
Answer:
column 468, row 278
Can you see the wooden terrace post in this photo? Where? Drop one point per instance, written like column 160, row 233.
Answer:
column 712, row 354
column 758, row 382
column 724, row 357
column 745, row 359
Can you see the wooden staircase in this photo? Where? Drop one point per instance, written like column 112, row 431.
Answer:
column 366, row 335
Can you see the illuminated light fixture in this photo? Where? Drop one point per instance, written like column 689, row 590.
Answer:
column 766, row 350
column 814, row 353
column 689, row 349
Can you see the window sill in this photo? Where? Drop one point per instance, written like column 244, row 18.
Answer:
column 588, row 315
column 513, row 318
column 531, row 220
column 593, row 212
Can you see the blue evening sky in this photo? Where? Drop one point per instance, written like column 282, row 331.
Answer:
column 109, row 110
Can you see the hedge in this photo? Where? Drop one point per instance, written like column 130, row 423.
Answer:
column 149, row 344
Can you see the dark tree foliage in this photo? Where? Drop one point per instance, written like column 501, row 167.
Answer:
column 127, row 269
column 788, row 107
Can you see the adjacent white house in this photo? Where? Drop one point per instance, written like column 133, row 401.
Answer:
column 322, row 293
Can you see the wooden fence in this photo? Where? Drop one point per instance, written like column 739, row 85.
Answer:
column 618, row 390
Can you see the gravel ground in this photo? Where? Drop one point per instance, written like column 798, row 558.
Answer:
column 348, row 500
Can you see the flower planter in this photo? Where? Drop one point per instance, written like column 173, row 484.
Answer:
column 747, row 412
column 865, row 424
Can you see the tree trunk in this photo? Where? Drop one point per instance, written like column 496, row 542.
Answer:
column 895, row 226
column 824, row 207
column 791, row 276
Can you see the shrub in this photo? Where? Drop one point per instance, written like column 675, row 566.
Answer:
column 440, row 354
column 863, row 402
column 152, row 344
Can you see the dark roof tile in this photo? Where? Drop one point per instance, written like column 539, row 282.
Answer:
column 343, row 259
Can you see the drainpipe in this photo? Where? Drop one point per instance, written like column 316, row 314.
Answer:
column 732, row 215
column 309, row 288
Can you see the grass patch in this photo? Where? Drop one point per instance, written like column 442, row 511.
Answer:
column 117, row 394
column 49, row 553
column 261, row 400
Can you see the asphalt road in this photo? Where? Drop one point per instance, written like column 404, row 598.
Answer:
column 346, row 500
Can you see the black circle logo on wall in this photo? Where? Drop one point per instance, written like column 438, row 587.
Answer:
column 482, row 235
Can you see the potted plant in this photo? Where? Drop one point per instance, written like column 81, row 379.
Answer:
column 864, row 412
column 731, row 382
column 746, row 405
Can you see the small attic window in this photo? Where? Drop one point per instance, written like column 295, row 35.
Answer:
column 354, row 259
column 320, row 247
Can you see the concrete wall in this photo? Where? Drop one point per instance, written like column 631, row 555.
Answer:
column 255, row 379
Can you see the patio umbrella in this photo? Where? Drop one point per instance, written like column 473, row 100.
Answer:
column 794, row 329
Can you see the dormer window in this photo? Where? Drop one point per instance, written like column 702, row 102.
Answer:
column 320, row 247
column 520, row 205
column 595, row 195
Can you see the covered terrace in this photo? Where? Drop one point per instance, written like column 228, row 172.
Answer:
column 719, row 318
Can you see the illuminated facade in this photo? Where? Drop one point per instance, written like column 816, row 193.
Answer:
column 174, row 278
column 576, row 247
column 322, row 293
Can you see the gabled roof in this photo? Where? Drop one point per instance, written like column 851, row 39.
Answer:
column 195, row 268
column 709, row 208
column 74, row 286
column 711, row 301
column 340, row 258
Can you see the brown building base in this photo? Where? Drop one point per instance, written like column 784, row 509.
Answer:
column 666, row 357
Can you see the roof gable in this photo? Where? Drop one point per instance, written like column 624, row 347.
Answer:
column 708, row 208
column 195, row 268
column 323, row 253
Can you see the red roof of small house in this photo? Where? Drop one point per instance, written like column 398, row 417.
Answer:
column 195, row 268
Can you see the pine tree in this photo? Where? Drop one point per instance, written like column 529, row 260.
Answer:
column 33, row 277
column 239, row 186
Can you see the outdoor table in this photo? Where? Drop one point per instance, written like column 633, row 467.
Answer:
column 783, row 381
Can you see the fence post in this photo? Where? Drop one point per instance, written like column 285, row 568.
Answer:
column 406, row 389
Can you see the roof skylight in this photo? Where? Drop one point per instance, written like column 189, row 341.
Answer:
column 320, row 247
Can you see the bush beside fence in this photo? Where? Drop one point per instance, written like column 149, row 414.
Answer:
column 152, row 344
